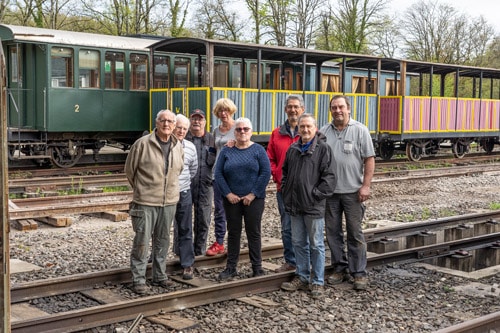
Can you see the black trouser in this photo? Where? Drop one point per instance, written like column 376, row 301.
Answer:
column 253, row 217
column 202, row 200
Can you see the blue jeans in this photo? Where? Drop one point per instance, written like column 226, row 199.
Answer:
column 183, row 229
column 286, row 231
column 309, row 246
column 219, row 216
column 150, row 222
column 355, row 258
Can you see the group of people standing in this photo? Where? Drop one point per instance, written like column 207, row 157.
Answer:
column 321, row 177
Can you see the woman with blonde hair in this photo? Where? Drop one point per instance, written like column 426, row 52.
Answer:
column 224, row 110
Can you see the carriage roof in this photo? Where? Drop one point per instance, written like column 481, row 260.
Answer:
column 39, row 35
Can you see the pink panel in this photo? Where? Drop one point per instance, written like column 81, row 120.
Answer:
column 460, row 115
column 483, row 117
column 415, row 114
column 434, row 115
column 452, row 118
column 406, row 115
column 443, row 115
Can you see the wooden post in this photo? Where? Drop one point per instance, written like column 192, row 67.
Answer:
column 4, row 196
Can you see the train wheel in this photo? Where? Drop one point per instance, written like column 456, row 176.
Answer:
column 459, row 149
column 413, row 152
column 386, row 150
column 62, row 157
column 488, row 145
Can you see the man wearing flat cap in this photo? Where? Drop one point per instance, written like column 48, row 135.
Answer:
column 201, row 185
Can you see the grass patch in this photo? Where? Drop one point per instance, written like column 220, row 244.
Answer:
column 495, row 205
column 109, row 189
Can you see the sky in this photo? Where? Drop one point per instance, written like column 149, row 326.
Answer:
column 489, row 9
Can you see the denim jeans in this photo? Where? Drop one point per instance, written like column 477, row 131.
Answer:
column 309, row 245
column 355, row 258
column 150, row 222
column 219, row 216
column 253, row 221
column 183, row 231
column 286, row 231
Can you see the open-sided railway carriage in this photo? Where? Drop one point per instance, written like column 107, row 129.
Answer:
column 70, row 92
column 379, row 90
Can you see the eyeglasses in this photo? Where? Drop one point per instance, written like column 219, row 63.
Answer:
column 163, row 121
column 242, row 129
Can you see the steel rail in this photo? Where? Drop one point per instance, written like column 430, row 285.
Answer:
column 29, row 290
column 25, row 291
column 148, row 306
column 487, row 323
column 410, row 228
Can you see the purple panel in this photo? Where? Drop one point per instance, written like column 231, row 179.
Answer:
column 389, row 114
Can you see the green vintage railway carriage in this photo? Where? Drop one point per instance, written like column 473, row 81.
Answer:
column 69, row 92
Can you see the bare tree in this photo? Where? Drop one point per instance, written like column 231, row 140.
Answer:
column 306, row 14
column 491, row 57
column 216, row 20
column 437, row 32
column 258, row 10
column 277, row 20
column 125, row 17
column 354, row 22
column 178, row 13
column 386, row 39
column 325, row 36
column 3, row 9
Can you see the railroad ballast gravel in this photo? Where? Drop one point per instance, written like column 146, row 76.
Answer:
column 400, row 298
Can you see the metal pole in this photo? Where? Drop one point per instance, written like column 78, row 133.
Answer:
column 4, row 195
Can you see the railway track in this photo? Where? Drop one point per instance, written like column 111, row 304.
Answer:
column 113, row 305
column 46, row 202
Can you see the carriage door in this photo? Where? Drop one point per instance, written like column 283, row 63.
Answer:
column 15, row 86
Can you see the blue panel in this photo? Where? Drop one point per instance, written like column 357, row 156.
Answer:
column 323, row 110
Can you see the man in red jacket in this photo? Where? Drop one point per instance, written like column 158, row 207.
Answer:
column 281, row 139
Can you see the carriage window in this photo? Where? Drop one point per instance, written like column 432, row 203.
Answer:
column 361, row 85
column 204, row 74
column 284, row 82
column 114, row 70
column 330, row 82
column 253, row 75
column 390, row 87
column 138, row 71
column 161, row 64
column 298, row 85
column 221, row 73
column 61, row 67
column 89, row 68
column 236, row 77
column 14, row 64
column 182, row 72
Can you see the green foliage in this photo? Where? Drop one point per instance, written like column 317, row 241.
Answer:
column 448, row 289
column 446, row 212
column 110, row 189
column 494, row 205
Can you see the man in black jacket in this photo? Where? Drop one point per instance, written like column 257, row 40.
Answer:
column 201, row 185
column 308, row 179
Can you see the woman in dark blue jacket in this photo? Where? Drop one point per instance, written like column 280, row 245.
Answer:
column 242, row 174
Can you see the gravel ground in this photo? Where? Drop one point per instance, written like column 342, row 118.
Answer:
column 401, row 298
